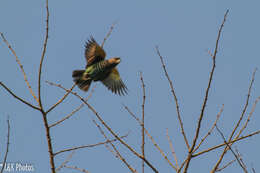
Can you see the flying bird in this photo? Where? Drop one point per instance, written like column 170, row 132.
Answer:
column 99, row 69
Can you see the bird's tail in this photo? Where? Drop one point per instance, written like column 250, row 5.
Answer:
column 82, row 81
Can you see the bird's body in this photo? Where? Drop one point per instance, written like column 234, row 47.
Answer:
column 99, row 69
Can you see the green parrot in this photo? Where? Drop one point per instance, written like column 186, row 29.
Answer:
column 99, row 69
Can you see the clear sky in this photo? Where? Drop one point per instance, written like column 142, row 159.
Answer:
column 183, row 30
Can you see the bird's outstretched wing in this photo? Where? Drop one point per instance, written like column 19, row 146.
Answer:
column 114, row 83
column 93, row 52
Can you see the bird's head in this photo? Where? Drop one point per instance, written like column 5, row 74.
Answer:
column 115, row 60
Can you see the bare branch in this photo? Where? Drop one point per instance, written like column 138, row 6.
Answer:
column 233, row 152
column 21, row 67
column 42, row 57
column 67, row 116
column 61, row 100
column 175, row 98
column 117, row 152
column 17, row 97
column 249, row 117
column 172, row 149
column 238, row 123
column 109, row 33
column 88, row 146
column 191, row 150
column 151, row 138
column 142, row 124
column 245, row 106
column 109, row 129
column 76, row 168
column 7, row 145
column 75, row 110
column 223, row 144
column 211, row 129
column 65, row 162
column 225, row 166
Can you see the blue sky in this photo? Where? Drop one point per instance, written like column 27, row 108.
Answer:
column 184, row 31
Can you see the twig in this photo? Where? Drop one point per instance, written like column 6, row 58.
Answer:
column 17, row 97
column 142, row 124
column 76, row 168
column 175, row 98
column 245, row 106
column 65, row 162
column 109, row 33
column 238, row 123
column 75, row 110
column 206, row 95
column 61, row 100
column 109, row 129
column 21, row 67
column 151, row 138
column 43, row 55
column 233, row 152
column 88, row 146
column 172, row 149
column 225, row 166
column 113, row 146
column 211, row 129
column 7, row 145
column 223, row 144
column 67, row 116
column 249, row 117
column 240, row 158
column 44, row 114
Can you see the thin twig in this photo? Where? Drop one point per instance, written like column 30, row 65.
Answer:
column 108, row 128
column 175, row 98
column 115, row 149
column 172, row 149
column 17, row 97
column 88, row 146
column 211, row 129
column 249, row 117
column 230, row 148
column 225, row 166
column 245, row 106
column 206, row 95
column 75, row 110
column 61, row 100
column 150, row 137
column 44, row 114
column 67, row 116
column 65, row 161
column 7, row 146
column 142, row 125
column 43, row 53
column 237, row 124
column 76, row 168
column 241, row 159
column 223, row 144
column 109, row 33
column 21, row 67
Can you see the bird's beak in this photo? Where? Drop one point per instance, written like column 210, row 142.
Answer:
column 118, row 60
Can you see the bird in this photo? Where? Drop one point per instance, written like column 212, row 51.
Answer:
column 99, row 69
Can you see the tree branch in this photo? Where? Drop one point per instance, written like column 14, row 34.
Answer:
column 21, row 67
column 7, row 146
column 191, row 150
column 175, row 98
column 17, row 97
